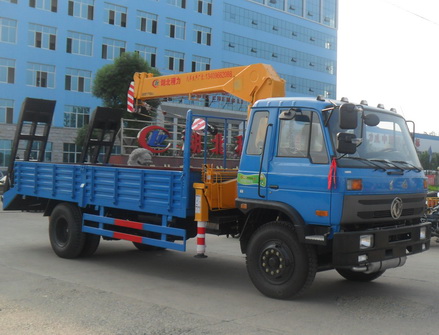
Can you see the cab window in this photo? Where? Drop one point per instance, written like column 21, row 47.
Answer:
column 257, row 133
column 302, row 136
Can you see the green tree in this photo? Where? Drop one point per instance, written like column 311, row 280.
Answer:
column 426, row 162
column 111, row 84
column 113, row 80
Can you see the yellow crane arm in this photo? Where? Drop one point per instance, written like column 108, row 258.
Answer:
column 249, row 83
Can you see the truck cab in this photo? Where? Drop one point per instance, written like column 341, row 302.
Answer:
column 346, row 176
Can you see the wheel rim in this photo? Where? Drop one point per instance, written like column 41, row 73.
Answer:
column 276, row 262
column 62, row 232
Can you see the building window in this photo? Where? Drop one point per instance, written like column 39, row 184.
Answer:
column 295, row 7
column 176, row 28
column 40, row 75
column 202, row 35
column 11, row 1
column 200, row 63
column 112, row 49
column 71, row 153
column 78, row 80
column 146, row 22
column 79, row 43
column 298, row 85
column 312, row 11
column 178, row 3
column 249, row 47
column 6, row 110
column 5, row 152
column 35, row 149
column 276, row 4
column 147, row 53
column 204, row 7
column 271, row 25
column 115, row 15
column 7, row 70
column 43, row 37
column 175, row 60
column 329, row 13
column 50, row 5
column 76, row 116
column 8, row 30
column 81, row 8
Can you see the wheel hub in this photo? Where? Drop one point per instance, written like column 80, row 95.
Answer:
column 274, row 261
column 62, row 232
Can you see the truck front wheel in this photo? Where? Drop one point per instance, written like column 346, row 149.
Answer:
column 65, row 230
column 278, row 265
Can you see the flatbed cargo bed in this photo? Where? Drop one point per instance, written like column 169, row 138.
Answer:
column 158, row 191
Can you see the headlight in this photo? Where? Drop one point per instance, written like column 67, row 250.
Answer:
column 423, row 233
column 366, row 241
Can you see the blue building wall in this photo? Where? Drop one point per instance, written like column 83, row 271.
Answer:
column 297, row 37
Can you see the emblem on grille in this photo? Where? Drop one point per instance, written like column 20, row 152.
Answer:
column 396, row 208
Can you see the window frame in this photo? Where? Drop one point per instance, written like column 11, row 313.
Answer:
column 7, row 71
column 81, row 9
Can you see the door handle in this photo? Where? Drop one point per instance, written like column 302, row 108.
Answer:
column 274, row 187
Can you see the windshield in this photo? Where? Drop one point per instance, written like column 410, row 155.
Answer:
column 378, row 146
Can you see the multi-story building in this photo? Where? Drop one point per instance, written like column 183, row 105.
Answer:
column 51, row 49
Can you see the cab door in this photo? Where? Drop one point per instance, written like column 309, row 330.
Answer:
column 297, row 171
column 253, row 167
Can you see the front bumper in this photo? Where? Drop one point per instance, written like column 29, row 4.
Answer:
column 389, row 244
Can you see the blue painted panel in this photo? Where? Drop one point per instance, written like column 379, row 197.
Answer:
column 162, row 192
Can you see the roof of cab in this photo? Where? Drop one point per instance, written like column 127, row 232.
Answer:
column 309, row 102
column 291, row 102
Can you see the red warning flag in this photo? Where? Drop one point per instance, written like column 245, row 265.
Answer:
column 332, row 179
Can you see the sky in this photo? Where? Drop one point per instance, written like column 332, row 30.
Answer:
column 388, row 52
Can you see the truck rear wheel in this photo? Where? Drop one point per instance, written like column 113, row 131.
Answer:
column 278, row 265
column 359, row 276
column 65, row 231
column 91, row 244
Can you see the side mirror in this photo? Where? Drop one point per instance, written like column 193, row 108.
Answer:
column 346, row 143
column 349, row 116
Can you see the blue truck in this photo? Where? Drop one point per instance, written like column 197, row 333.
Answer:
column 320, row 185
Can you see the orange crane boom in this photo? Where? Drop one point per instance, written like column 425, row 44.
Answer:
column 249, row 83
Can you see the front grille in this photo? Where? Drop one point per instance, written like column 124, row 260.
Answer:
column 370, row 209
column 386, row 214
column 384, row 201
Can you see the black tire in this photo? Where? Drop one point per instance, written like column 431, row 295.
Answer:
column 65, row 230
column 278, row 265
column 91, row 244
column 359, row 276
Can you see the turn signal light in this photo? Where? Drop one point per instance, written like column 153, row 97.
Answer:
column 354, row 184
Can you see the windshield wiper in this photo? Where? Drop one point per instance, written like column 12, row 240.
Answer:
column 411, row 165
column 392, row 164
column 370, row 162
